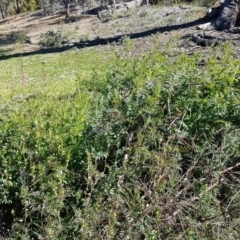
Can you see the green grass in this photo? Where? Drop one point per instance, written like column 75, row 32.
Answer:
column 112, row 146
column 37, row 93
column 49, row 74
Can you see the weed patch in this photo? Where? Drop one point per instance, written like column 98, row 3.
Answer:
column 140, row 147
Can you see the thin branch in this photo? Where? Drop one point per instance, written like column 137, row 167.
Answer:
column 232, row 200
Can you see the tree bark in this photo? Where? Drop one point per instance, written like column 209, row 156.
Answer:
column 3, row 9
column 228, row 15
column 18, row 6
column 214, row 11
column 225, row 15
column 67, row 9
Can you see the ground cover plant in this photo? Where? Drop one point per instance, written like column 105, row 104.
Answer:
column 141, row 147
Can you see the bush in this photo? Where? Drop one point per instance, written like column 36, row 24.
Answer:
column 51, row 38
column 147, row 147
column 23, row 38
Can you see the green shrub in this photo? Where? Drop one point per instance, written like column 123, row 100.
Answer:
column 154, row 141
column 23, row 38
column 146, row 147
column 51, row 38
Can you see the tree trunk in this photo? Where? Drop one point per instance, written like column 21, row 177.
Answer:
column 225, row 13
column 67, row 9
column 3, row 13
column 228, row 15
column 18, row 6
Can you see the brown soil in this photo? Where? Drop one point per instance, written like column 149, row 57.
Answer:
column 143, row 25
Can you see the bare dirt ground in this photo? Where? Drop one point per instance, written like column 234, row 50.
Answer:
column 143, row 25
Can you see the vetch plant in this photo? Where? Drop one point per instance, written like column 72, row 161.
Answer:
column 143, row 147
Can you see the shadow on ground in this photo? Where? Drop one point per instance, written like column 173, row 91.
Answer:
column 105, row 41
column 10, row 38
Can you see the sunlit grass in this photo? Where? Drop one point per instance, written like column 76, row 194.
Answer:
column 49, row 74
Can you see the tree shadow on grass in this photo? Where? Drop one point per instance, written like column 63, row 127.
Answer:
column 108, row 40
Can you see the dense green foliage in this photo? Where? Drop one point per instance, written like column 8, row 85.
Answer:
column 16, row 6
column 145, row 147
column 51, row 39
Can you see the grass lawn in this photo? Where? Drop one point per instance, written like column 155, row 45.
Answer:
column 48, row 74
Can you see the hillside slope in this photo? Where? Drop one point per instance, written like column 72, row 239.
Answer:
column 131, row 132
